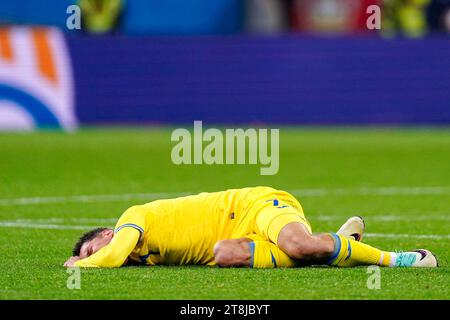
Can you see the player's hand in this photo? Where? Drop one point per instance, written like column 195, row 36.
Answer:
column 70, row 262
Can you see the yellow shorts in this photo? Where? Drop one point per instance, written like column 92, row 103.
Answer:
column 273, row 210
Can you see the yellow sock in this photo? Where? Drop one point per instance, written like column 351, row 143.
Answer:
column 350, row 253
column 266, row 254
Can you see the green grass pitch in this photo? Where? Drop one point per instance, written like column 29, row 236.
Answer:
column 398, row 179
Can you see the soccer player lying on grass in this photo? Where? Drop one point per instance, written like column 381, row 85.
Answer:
column 251, row 227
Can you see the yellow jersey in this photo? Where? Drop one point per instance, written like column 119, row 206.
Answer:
column 184, row 230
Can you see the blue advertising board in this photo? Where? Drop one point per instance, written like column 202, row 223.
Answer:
column 241, row 79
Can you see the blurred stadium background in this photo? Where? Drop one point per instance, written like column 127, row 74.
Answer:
column 310, row 67
column 223, row 61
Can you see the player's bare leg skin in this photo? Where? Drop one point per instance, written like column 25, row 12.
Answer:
column 297, row 242
column 251, row 252
column 297, row 246
column 232, row 253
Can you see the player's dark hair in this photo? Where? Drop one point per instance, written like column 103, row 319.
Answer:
column 88, row 236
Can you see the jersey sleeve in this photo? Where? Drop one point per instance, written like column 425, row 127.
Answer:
column 128, row 232
column 134, row 218
column 115, row 253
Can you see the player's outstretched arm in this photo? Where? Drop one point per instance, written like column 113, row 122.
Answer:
column 114, row 254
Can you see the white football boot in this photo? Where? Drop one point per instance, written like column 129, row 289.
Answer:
column 353, row 228
column 416, row 258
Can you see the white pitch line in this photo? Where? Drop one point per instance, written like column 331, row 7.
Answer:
column 373, row 191
column 8, row 224
column 13, row 224
column 88, row 198
column 62, row 220
column 314, row 192
column 331, row 218
column 386, row 218
column 415, row 236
